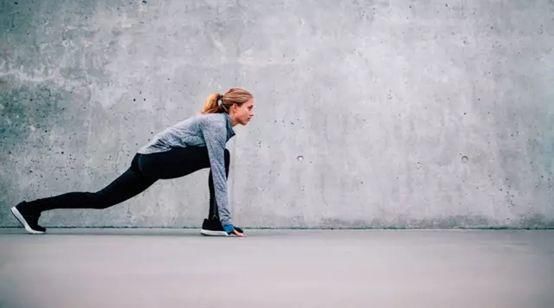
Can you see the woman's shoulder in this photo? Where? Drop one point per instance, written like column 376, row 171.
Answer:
column 211, row 118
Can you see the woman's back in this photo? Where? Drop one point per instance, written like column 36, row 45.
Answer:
column 191, row 132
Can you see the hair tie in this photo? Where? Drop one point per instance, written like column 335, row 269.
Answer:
column 220, row 103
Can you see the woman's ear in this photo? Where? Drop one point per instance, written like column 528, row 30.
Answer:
column 233, row 108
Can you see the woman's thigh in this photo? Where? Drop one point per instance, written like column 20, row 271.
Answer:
column 174, row 163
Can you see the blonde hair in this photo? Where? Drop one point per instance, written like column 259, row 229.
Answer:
column 232, row 96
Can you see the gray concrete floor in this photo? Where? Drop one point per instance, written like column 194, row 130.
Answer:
column 277, row 268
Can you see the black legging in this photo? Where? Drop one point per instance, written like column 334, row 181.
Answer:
column 145, row 169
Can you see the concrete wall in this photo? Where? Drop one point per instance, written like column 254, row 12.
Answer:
column 369, row 113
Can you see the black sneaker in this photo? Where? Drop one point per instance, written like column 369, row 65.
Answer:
column 28, row 218
column 213, row 228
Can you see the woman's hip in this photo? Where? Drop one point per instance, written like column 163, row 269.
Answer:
column 174, row 163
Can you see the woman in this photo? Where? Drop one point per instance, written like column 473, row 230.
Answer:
column 190, row 145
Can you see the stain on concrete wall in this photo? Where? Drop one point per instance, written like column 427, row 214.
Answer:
column 369, row 113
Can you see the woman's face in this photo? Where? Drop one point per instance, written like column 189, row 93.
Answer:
column 243, row 114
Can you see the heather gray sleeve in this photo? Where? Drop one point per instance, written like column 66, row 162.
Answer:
column 215, row 137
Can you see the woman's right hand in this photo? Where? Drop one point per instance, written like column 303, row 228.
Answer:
column 232, row 230
column 237, row 233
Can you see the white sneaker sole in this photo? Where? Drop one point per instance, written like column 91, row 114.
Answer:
column 213, row 233
column 22, row 220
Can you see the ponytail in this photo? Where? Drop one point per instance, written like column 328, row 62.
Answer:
column 217, row 103
column 211, row 105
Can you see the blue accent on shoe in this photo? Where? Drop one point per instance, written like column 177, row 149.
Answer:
column 228, row 228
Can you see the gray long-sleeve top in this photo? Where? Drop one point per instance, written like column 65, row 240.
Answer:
column 211, row 130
